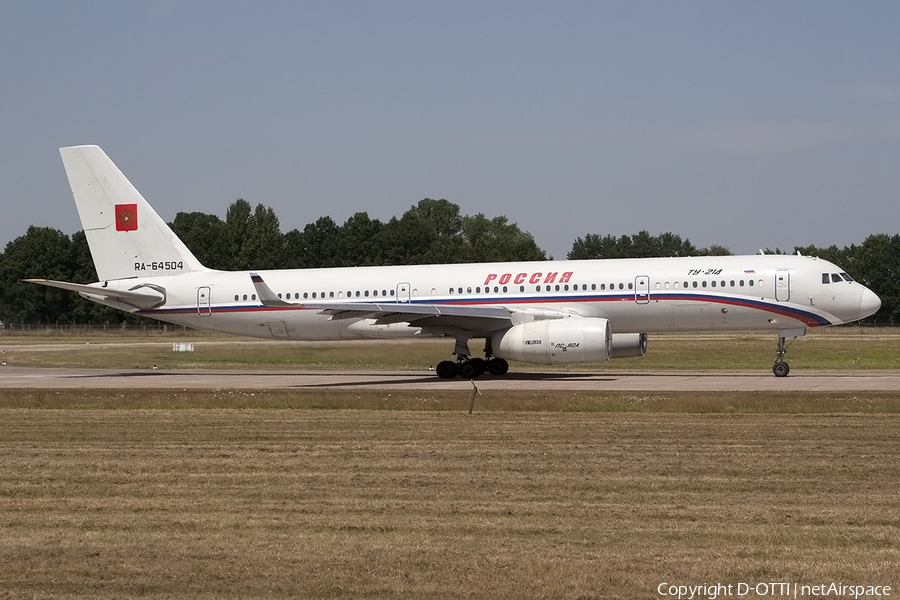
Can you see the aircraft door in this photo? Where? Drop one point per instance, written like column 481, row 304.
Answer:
column 782, row 285
column 642, row 289
column 204, row 308
column 403, row 292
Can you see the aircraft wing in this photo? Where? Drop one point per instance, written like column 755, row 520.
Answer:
column 482, row 318
column 147, row 298
column 440, row 316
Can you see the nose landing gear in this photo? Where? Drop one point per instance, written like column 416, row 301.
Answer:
column 781, row 368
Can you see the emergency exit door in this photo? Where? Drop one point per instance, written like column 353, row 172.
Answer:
column 204, row 309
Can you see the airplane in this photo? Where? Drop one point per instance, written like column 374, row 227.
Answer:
column 551, row 312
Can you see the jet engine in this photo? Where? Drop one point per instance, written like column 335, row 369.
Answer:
column 626, row 345
column 555, row 341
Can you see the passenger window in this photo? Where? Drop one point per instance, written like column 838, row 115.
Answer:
column 505, row 289
column 750, row 283
column 253, row 296
column 367, row 294
column 236, row 298
column 695, row 284
column 521, row 288
column 714, row 284
column 704, row 284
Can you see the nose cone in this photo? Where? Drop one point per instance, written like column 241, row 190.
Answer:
column 869, row 303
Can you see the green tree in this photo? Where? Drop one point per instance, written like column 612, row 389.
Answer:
column 263, row 248
column 497, row 240
column 316, row 246
column 206, row 236
column 360, row 241
column 253, row 238
column 876, row 264
column 639, row 245
column 428, row 233
column 42, row 253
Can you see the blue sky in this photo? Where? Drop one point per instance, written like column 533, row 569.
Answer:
column 751, row 125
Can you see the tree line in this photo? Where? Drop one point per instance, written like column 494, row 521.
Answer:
column 430, row 232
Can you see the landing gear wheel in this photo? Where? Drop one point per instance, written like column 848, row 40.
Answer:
column 447, row 369
column 472, row 368
column 497, row 366
column 781, row 369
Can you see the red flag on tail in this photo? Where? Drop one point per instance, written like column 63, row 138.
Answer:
column 126, row 217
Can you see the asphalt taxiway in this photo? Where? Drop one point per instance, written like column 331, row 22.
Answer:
column 124, row 379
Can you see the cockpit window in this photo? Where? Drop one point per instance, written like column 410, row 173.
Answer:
column 835, row 278
column 825, row 278
column 846, row 277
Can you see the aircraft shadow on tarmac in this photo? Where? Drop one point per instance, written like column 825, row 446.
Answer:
column 401, row 379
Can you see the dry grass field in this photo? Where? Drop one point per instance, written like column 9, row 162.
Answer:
column 314, row 495
column 400, row 494
column 836, row 349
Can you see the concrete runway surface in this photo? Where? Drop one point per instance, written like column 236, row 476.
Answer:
column 19, row 377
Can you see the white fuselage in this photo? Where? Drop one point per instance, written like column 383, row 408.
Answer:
column 720, row 293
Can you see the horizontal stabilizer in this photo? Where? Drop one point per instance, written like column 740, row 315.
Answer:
column 146, row 299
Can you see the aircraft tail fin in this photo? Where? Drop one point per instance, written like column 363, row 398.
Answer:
column 126, row 236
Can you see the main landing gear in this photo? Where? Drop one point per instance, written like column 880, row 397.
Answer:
column 470, row 368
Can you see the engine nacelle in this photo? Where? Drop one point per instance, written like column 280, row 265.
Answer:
column 556, row 341
column 626, row 345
